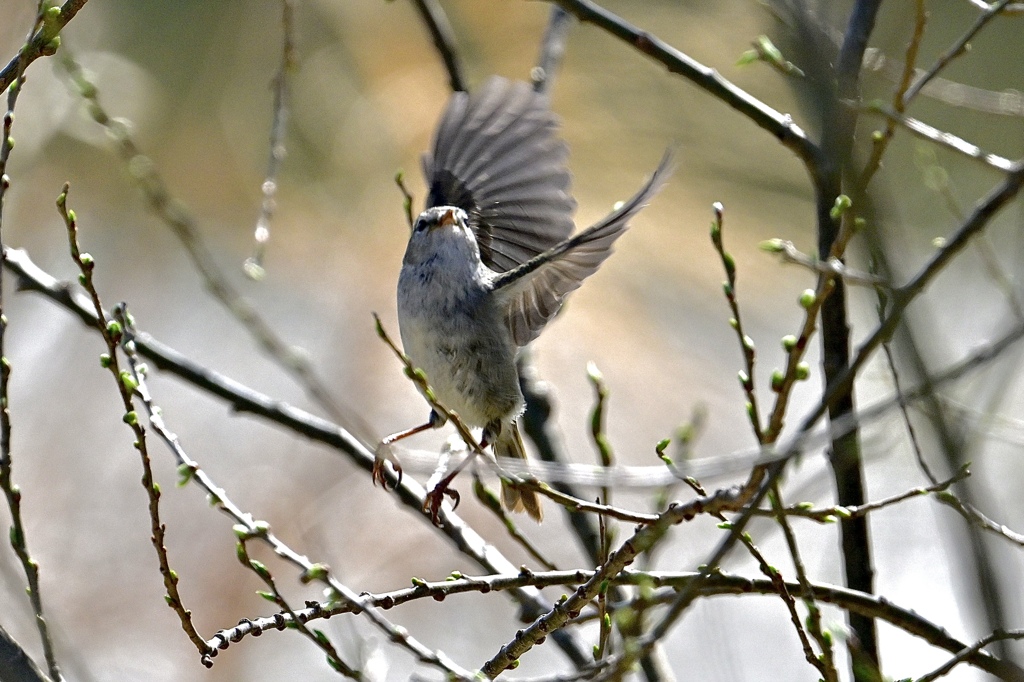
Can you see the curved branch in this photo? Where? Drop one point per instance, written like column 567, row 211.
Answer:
column 718, row 584
column 780, row 125
column 243, row 399
column 444, row 40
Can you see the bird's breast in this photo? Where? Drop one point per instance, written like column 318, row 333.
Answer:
column 452, row 330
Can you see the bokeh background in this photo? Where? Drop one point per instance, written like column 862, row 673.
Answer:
column 194, row 79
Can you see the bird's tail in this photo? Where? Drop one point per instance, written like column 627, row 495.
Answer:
column 510, row 444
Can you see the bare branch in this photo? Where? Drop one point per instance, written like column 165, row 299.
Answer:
column 552, row 50
column 717, row 584
column 955, row 50
column 444, row 40
column 254, row 265
column 948, row 140
column 779, row 125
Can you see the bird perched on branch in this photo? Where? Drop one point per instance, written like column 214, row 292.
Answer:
column 491, row 259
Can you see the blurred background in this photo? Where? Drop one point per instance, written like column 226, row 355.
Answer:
column 194, row 79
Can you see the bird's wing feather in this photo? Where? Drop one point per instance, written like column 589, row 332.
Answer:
column 496, row 155
column 532, row 293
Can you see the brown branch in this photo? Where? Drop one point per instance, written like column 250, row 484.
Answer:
column 112, row 332
column 955, row 50
column 717, row 584
column 441, row 32
column 779, row 125
column 243, row 399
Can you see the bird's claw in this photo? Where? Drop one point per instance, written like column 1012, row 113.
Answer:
column 382, row 457
column 432, row 502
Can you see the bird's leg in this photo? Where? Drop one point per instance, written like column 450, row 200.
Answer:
column 490, row 434
column 384, row 452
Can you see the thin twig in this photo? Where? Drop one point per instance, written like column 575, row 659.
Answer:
column 407, row 198
column 833, row 267
column 747, row 376
column 189, row 471
column 880, row 140
column 254, row 265
column 606, row 456
column 112, row 332
column 1012, row 8
column 908, row 424
column 827, row 664
column 45, row 41
column 941, row 137
column 552, row 50
column 444, row 40
column 174, row 214
column 575, row 504
column 978, row 519
column 967, row 652
column 12, row 494
column 955, row 50
column 831, row 514
column 730, row 499
column 779, row 125
column 716, row 584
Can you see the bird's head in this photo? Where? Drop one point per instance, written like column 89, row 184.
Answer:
column 442, row 232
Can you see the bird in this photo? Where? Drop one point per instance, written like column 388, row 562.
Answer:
column 491, row 259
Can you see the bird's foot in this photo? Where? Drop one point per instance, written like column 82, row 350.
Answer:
column 432, row 502
column 382, row 457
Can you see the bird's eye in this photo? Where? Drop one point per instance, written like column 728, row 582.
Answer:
column 420, row 225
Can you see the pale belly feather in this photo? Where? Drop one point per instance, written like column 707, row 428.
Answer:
column 465, row 351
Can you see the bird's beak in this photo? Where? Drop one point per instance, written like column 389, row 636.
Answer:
column 448, row 218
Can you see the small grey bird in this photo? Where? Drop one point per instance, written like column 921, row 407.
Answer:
column 491, row 259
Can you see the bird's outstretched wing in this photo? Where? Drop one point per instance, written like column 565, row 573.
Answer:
column 533, row 292
column 496, row 155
